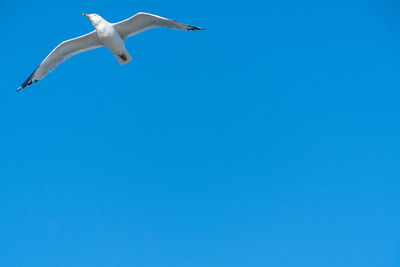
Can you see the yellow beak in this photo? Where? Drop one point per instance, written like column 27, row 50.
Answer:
column 86, row 15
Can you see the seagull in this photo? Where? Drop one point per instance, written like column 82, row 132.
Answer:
column 110, row 35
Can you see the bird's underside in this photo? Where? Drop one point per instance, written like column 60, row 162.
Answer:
column 111, row 35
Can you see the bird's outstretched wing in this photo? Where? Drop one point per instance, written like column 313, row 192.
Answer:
column 61, row 53
column 144, row 21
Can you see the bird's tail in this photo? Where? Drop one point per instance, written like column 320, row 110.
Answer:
column 123, row 57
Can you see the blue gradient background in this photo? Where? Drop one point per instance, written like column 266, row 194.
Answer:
column 269, row 139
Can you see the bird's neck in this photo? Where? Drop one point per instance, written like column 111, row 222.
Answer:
column 100, row 24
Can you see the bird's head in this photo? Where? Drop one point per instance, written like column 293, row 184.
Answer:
column 94, row 18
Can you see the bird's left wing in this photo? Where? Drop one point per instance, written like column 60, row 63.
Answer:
column 61, row 53
column 144, row 21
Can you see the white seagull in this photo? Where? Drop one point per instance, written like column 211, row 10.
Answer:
column 110, row 35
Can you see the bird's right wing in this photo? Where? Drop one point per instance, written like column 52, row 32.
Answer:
column 144, row 21
column 61, row 53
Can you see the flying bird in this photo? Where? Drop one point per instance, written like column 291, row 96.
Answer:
column 110, row 35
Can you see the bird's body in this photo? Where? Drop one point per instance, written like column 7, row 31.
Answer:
column 110, row 35
column 112, row 40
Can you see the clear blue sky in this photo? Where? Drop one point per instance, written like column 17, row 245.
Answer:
column 272, row 138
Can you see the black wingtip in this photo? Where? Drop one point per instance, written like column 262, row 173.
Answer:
column 193, row 28
column 28, row 81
